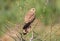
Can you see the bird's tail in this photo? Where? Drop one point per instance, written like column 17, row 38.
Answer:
column 26, row 27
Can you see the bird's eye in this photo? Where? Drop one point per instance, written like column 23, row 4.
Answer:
column 33, row 9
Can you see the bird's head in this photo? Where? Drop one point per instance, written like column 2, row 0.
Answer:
column 32, row 10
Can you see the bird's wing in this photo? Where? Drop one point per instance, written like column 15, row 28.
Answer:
column 29, row 17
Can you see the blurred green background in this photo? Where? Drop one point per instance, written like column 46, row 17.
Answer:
column 48, row 11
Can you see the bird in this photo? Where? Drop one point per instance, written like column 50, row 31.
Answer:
column 28, row 19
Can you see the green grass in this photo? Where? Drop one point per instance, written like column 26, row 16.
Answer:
column 15, row 10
